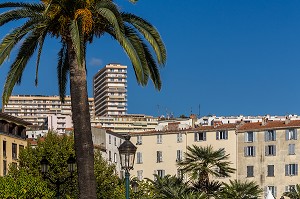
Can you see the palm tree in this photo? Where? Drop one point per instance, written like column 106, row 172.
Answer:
column 203, row 162
column 293, row 193
column 173, row 187
column 242, row 190
column 76, row 23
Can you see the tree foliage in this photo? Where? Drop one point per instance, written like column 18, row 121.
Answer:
column 109, row 185
column 22, row 184
column 242, row 190
column 202, row 163
column 293, row 193
column 57, row 149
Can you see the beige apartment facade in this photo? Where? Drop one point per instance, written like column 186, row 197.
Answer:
column 158, row 152
column 12, row 140
column 37, row 109
column 268, row 153
column 126, row 123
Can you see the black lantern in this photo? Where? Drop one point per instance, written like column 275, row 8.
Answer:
column 127, row 153
column 44, row 165
column 71, row 164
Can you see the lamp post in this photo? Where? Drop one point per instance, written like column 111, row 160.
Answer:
column 57, row 181
column 127, row 152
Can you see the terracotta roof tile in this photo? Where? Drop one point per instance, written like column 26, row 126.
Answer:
column 269, row 125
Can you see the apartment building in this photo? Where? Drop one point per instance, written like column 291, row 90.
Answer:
column 110, row 90
column 42, row 110
column 108, row 142
column 268, row 153
column 158, row 152
column 126, row 123
column 12, row 140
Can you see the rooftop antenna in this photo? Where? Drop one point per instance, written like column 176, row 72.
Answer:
column 199, row 110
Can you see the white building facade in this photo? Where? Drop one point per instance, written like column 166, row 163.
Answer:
column 110, row 90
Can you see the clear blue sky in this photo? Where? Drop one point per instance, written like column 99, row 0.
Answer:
column 231, row 57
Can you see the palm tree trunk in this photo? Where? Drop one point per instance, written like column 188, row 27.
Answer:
column 82, row 128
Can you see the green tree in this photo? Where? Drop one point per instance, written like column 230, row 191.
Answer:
column 109, row 184
column 57, row 149
column 242, row 190
column 203, row 162
column 76, row 23
column 21, row 184
column 293, row 193
column 173, row 187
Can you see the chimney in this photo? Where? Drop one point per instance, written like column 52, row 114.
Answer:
column 194, row 119
column 287, row 120
column 264, row 121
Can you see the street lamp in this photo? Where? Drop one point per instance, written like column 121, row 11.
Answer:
column 57, row 181
column 127, row 152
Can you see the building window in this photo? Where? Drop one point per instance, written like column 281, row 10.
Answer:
column 179, row 137
column 222, row 135
column 200, row 136
column 21, row 147
column 250, row 171
column 158, row 156
column 4, row 148
column 273, row 190
column 4, row 167
column 139, row 140
column 159, row 139
column 161, row 173
column 270, row 135
column 270, row 150
column 249, row 136
column 139, row 158
column 140, row 175
column 109, row 139
column 14, row 151
column 249, row 151
column 179, row 155
column 270, row 171
column 180, row 174
column 291, row 169
column 290, row 188
column 115, row 157
column 109, row 155
column 291, row 134
column 292, row 149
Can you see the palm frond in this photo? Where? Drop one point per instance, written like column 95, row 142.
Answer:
column 63, row 71
column 33, row 6
column 10, row 40
column 132, row 54
column 16, row 70
column 77, row 41
column 109, row 5
column 16, row 14
column 137, row 43
column 150, row 33
column 41, row 44
column 113, row 20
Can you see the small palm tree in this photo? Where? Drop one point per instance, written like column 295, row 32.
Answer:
column 203, row 162
column 241, row 190
column 293, row 193
column 169, row 187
